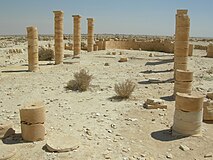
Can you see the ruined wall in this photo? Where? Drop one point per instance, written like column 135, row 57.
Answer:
column 155, row 45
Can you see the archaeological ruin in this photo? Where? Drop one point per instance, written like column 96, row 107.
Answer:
column 32, row 37
column 59, row 36
column 168, row 102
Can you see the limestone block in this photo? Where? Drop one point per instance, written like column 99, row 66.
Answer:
column 180, row 66
column 189, row 102
column 123, row 59
column 155, row 104
column 187, row 123
column 34, row 132
column 181, row 52
column 62, row 143
column 6, row 129
column 33, row 114
column 184, row 76
column 181, row 60
column 208, row 110
column 182, row 11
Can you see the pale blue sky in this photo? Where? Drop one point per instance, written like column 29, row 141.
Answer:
column 145, row 17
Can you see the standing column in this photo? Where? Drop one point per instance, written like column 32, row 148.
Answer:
column 90, row 34
column 181, row 40
column 210, row 50
column 77, row 35
column 32, row 37
column 59, row 37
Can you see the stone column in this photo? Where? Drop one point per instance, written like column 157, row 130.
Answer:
column 32, row 37
column 90, row 34
column 181, row 40
column 210, row 50
column 191, row 48
column 32, row 122
column 77, row 35
column 59, row 37
column 95, row 46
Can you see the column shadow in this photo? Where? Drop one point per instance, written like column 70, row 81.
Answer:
column 165, row 135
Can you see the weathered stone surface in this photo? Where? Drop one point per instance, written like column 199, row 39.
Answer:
column 208, row 110
column 34, row 132
column 62, row 143
column 123, row 59
column 152, row 103
column 189, row 102
column 33, row 114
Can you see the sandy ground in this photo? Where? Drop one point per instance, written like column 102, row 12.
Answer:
column 106, row 128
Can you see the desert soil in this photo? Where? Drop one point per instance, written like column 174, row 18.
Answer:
column 105, row 127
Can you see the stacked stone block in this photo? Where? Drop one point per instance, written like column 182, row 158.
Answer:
column 183, row 81
column 188, row 114
column 32, row 37
column 181, row 40
column 59, row 37
column 32, row 122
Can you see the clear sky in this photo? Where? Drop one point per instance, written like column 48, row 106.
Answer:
column 145, row 17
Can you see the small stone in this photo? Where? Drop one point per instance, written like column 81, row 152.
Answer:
column 106, row 64
column 121, row 138
column 184, row 147
column 88, row 132
column 109, row 131
column 208, row 155
column 113, row 126
column 125, row 150
column 161, row 114
column 169, row 156
column 106, row 156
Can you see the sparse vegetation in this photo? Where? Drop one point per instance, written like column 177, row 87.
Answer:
column 210, row 71
column 125, row 89
column 81, row 81
column 46, row 54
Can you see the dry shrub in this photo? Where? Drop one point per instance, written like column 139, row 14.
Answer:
column 200, row 47
column 46, row 54
column 125, row 89
column 81, row 81
column 210, row 71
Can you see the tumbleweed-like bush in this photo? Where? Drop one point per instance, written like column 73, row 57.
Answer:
column 81, row 81
column 46, row 54
column 124, row 89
